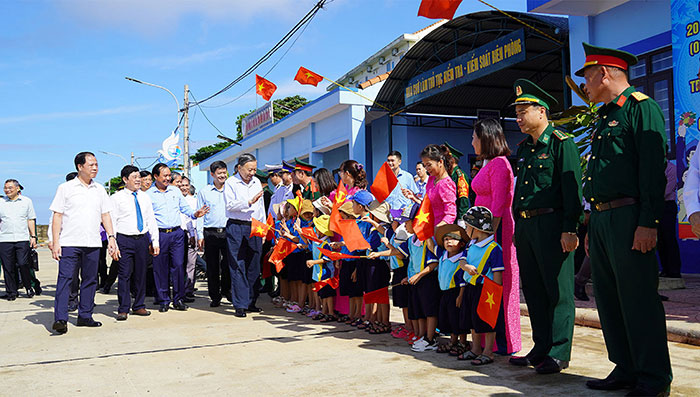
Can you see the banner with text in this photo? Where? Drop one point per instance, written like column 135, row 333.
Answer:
column 685, row 20
column 496, row 55
column 260, row 118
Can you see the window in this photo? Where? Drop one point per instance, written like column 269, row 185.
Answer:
column 661, row 61
column 638, row 70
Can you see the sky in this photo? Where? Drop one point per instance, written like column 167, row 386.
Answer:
column 63, row 65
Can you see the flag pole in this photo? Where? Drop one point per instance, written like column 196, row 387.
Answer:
column 356, row 93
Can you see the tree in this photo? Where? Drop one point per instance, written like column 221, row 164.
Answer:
column 114, row 184
column 281, row 109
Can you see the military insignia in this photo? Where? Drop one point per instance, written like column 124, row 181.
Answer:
column 462, row 187
column 639, row 96
column 543, row 156
column 613, row 123
column 518, row 90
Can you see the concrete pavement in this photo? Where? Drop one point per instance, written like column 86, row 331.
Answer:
column 207, row 350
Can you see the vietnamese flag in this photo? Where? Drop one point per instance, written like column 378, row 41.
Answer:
column 490, row 302
column 380, row 296
column 258, row 228
column 283, row 248
column 334, row 256
column 305, row 76
column 424, row 222
column 438, row 9
column 270, row 227
column 341, row 193
column 384, row 183
column 265, row 88
column 309, row 234
column 352, row 236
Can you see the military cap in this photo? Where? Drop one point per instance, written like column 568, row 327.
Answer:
column 303, row 165
column 273, row 168
column 606, row 57
column 287, row 167
column 527, row 92
column 454, row 151
column 262, row 175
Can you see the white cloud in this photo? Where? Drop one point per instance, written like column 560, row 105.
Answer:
column 174, row 61
column 71, row 115
column 160, row 17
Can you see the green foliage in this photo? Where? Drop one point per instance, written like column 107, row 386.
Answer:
column 208, row 151
column 114, row 184
column 581, row 122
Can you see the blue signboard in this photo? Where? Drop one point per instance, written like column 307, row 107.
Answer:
column 685, row 21
column 496, row 55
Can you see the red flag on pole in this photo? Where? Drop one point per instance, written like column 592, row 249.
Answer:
column 258, row 228
column 271, row 227
column 424, row 222
column 308, row 233
column 305, row 76
column 334, row 256
column 377, row 296
column 265, row 88
column 438, row 9
column 341, row 193
column 384, row 183
column 490, row 302
column 283, row 248
column 352, row 236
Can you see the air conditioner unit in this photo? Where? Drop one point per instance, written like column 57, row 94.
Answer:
column 394, row 51
column 369, row 68
column 351, row 80
column 382, row 61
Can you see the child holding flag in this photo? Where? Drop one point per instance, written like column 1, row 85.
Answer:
column 322, row 268
column 298, row 273
column 483, row 267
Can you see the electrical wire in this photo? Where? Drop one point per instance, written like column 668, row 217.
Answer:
column 305, row 20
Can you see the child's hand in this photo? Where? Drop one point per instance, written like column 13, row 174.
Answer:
column 353, row 276
column 309, row 264
column 385, row 241
column 415, row 279
column 373, row 255
column 404, row 281
column 471, row 270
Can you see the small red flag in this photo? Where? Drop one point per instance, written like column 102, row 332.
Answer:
column 266, row 266
column 283, row 248
column 424, row 222
column 438, row 9
column 265, row 88
column 341, row 193
column 334, row 256
column 305, row 76
column 384, row 183
column 377, row 296
column 490, row 302
column 333, row 282
column 258, row 228
column 270, row 227
column 309, row 234
column 354, row 240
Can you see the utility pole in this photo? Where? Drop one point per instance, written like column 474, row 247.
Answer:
column 186, row 134
column 132, row 158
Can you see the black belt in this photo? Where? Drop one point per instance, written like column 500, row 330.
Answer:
column 133, row 236
column 614, row 204
column 525, row 214
column 238, row 222
column 215, row 229
column 170, row 230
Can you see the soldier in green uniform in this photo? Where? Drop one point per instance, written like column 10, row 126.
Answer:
column 267, row 192
column 302, row 176
column 461, row 181
column 547, row 208
column 625, row 183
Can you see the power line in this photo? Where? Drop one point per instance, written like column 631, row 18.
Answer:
column 307, row 18
column 207, row 118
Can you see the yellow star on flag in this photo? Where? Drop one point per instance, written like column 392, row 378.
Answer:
column 422, row 217
column 259, row 230
column 309, row 74
column 260, row 87
column 283, row 251
column 340, row 197
column 489, row 299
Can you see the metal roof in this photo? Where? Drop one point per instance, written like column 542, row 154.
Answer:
column 546, row 64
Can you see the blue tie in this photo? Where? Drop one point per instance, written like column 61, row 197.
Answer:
column 139, row 217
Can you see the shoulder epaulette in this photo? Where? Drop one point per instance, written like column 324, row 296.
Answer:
column 639, row 96
column 523, row 141
column 561, row 135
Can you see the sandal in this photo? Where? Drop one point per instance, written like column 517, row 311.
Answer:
column 469, row 355
column 482, row 360
column 364, row 325
column 319, row 316
column 444, row 348
column 356, row 322
column 343, row 319
column 329, row 318
column 380, row 329
column 457, row 349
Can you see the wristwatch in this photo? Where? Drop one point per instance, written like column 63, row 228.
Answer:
column 112, row 236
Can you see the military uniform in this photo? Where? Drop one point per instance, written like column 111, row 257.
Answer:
column 310, row 191
column 546, row 203
column 461, row 181
column 267, row 192
column 625, row 183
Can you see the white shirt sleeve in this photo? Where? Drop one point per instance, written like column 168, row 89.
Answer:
column 234, row 203
column 691, row 189
column 58, row 204
column 150, row 218
column 113, row 215
column 106, row 204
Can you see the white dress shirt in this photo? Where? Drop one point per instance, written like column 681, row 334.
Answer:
column 237, row 194
column 124, row 214
column 14, row 215
column 691, row 189
column 188, row 223
column 82, row 208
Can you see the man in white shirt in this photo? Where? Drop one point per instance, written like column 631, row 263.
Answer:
column 133, row 217
column 79, row 207
column 691, row 193
column 190, row 228
column 242, row 195
column 17, row 237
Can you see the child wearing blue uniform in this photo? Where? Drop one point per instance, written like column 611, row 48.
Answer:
column 452, row 240
column 378, row 273
column 484, row 259
column 322, row 268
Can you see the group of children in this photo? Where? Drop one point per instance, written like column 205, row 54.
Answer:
column 437, row 282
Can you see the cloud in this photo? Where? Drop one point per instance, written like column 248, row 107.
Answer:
column 73, row 115
column 160, row 17
column 174, row 61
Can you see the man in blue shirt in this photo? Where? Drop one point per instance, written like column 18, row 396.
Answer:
column 211, row 231
column 396, row 199
column 168, row 203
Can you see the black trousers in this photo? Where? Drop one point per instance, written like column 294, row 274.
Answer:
column 669, row 254
column 218, row 274
column 14, row 257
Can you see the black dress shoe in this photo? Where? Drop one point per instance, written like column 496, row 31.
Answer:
column 11, row 297
column 641, row 390
column 180, row 306
column 520, row 361
column 580, row 292
column 228, row 297
column 187, row 300
column 87, row 322
column 253, row 309
column 239, row 313
column 72, row 308
column 106, row 289
column 215, row 303
column 164, row 308
column 60, row 326
column 30, row 292
column 548, row 366
column 37, row 289
column 190, row 295
column 609, row 383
